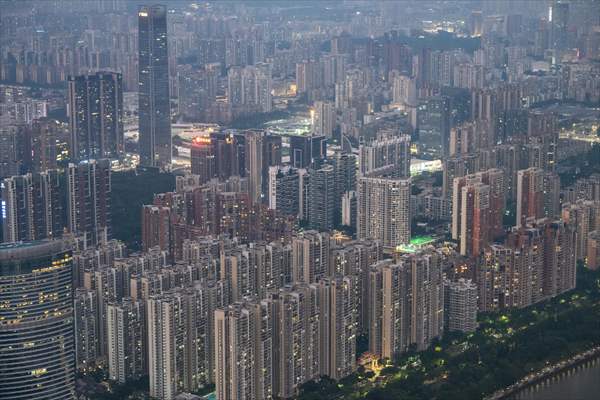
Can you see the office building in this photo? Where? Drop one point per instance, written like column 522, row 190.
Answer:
column 384, row 210
column 304, row 150
column 154, row 100
column 433, row 124
column 202, row 158
column 96, row 116
column 37, row 343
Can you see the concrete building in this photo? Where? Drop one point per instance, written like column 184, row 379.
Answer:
column 310, row 256
column 31, row 207
column 384, row 210
column 244, row 351
column 88, row 201
column 87, row 343
column 126, row 342
column 478, row 203
column 388, row 155
column 323, row 118
column 339, row 326
column 538, row 195
column 461, row 305
column 296, row 339
column 406, row 303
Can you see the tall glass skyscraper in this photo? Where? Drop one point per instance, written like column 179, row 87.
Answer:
column 37, row 348
column 154, row 103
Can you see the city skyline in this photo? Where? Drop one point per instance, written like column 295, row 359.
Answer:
column 250, row 200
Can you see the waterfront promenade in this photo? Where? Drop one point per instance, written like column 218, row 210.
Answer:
column 544, row 374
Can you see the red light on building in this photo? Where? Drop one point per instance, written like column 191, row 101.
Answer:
column 201, row 140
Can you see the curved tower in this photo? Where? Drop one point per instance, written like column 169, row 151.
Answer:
column 37, row 346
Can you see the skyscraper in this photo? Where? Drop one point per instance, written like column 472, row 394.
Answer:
column 388, row 155
column 9, row 155
column 31, row 207
column 254, row 165
column 86, row 328
column 537, row 195
column 243, row 351
column 39, row 150
column 323, row 118
column 537, row 262
column 96, row 115
column 310, row 256
column 296, row 341
column 285, row 192
column 165, row 325
column 305, row 150
column 37, row 344
column 88, row 200
column 384, row 210
column 406, row 303
column 154, row 100
column 322, row 201
column 125, row 328
column 433, row 124
column 477, row 208
column 461, row 305
column 219, row 155
column 339, row 326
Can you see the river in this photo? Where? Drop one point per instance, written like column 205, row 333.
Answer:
column 582, row 383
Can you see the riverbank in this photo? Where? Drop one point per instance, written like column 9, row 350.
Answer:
column 544, row 374
column 578, row 383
